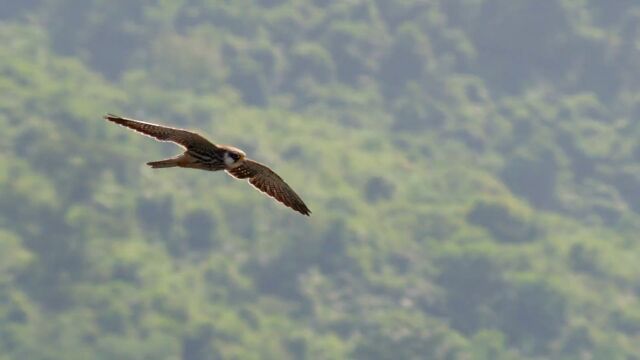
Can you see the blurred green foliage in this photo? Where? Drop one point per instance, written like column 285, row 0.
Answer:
column 473, row 168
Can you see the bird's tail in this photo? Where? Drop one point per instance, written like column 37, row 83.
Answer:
column 167, row 163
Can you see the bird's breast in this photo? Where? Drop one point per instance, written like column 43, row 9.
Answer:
column 234, row 163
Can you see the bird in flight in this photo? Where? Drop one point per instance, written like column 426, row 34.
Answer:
column 202, row 154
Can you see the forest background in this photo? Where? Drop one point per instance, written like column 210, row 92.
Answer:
column 473, row 168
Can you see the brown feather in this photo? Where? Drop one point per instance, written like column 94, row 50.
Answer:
column 270, row 183
column 186, row 139
column 199, row 149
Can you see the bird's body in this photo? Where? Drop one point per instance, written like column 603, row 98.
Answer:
column 202, row 154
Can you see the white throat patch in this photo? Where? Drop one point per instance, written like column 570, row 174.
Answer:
column 228, row 160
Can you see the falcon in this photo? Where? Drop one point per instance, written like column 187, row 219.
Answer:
column 202, row 154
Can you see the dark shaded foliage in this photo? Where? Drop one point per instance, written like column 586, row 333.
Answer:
column 378, row 188
column 504, row 223
column 534, row 178
column 541, row 307
column 414, row 129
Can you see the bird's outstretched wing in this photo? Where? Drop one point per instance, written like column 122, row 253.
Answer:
column 267, row 181
column 186, row 139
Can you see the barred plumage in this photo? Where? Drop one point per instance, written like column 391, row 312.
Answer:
column 202, row 154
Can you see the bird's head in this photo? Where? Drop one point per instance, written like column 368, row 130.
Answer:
column 232, row 155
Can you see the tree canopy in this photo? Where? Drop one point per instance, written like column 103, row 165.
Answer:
column 473, row 168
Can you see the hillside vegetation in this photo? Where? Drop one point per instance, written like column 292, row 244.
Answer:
column 473, row 168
